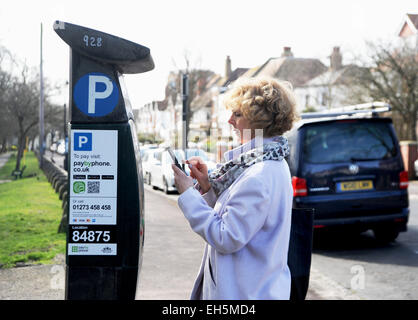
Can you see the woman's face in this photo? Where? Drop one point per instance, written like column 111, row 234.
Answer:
column 240, row 124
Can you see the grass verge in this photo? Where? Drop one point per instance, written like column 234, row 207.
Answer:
column 30, row 213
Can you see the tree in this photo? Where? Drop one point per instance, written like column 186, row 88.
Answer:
column 390, row 75
column 6, row 126
column 19, row 103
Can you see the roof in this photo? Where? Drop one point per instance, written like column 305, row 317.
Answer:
column 238, row 72
column 414, row 19
column 334, row 77
column 409, row 25
column 365, row 117
column 295, row 70
column 205, row 99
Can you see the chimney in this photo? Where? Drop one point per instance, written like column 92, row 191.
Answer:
column 287, row 52
column 228, row 69
column 336, row 59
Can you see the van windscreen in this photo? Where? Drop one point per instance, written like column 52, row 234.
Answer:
column 348, row 141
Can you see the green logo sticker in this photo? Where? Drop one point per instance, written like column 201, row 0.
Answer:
column 79, row 187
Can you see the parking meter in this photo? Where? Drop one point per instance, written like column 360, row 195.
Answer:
column 106, row 204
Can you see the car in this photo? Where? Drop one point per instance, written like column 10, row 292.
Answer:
column 61, row 147
column 160, row 174
column 348, row 167
column 146, row 159
column 202, row 154
column 146, row 147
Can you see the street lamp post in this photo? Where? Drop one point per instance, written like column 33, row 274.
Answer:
column 185, row 96
column 41, row 110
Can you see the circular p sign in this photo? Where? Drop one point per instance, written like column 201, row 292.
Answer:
column 95, row 94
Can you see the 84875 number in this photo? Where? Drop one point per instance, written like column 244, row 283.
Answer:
column 91, row 236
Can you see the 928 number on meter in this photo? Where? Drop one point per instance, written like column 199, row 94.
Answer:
column 90, row 236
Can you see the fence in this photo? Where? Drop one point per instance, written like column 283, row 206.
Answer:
column 59, row 181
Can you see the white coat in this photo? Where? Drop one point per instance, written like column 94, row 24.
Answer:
column 247, row 232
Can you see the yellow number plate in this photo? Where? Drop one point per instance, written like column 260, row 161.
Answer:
column 355, row 185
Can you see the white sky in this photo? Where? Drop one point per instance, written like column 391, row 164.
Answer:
column 249, row 31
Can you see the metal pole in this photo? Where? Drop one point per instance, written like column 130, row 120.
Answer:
column 41, row 110
column 185, row 95
column 65, row 121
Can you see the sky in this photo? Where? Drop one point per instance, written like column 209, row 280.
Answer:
column 250, row 32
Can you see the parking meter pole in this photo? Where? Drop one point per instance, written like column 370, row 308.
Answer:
column 106, row 204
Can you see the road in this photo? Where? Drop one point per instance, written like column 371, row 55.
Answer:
column 361, row 268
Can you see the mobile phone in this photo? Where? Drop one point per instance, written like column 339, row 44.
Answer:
column 173, row 156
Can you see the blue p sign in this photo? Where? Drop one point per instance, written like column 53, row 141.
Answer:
column 96, row 95
column 82, row 141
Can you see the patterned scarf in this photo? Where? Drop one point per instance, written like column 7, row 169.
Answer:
column 221, row 178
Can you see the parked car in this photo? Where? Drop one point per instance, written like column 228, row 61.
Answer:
column 161, row 175
column 61, row 147
column 201, row 153
column 350, row 170
column 146, row 147
column 147, row 157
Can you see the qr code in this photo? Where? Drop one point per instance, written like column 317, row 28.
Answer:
column 93, row 187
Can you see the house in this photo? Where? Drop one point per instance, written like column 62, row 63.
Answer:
column 295, row 70
column 155, row 119
column 208, row 123
column 328, row 89
column 409, row 29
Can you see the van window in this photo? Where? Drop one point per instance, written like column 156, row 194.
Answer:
column 348, row 141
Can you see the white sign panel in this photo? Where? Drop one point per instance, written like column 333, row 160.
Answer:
column 93, row 189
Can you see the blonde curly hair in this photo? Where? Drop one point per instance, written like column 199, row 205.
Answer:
column 266, row 103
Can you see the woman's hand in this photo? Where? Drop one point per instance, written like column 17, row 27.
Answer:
column 182, row 181
column 199, row 171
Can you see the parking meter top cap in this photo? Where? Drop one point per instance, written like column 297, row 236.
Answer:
column 127, row 56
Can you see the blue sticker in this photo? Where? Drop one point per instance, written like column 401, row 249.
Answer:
column 83, row 141
column 95, row 94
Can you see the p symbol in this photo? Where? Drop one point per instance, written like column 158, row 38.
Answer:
column 82, row 141
column 96, row 94
column 93, row 94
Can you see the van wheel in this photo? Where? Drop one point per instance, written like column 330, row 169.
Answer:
column 386, row 234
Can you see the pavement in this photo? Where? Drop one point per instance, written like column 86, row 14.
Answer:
column 3, row 159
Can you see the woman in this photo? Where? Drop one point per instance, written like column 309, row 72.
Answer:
column 243, row 209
